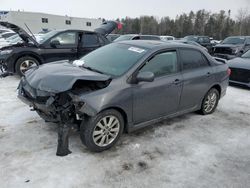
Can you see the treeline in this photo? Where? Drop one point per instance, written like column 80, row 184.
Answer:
column 217, row 25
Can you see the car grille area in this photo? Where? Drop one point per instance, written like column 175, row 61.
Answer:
column 240, row 75
column 223, row 50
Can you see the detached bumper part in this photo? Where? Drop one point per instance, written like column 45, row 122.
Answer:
column 63, row 140
column 3, row 70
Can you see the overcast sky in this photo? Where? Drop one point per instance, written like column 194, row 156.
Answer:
column 111, row 9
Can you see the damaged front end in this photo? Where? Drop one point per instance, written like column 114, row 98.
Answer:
column 64, row 107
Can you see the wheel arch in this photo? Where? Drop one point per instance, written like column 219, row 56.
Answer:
column 218, row 87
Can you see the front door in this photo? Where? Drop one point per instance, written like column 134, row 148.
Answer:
column 62, row 47
column 161, row 97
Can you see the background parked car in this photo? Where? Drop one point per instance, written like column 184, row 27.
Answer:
column 4, row 30
column 240, row 70
column 232, row 47
column 112, row 37
column 202, row 40
column 137, row 37
column 167, row 38
column 7, row 35
column 52, row 46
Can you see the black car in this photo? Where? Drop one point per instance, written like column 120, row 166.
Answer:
column 232, row 47
column 202, row 40
column 52, row 46
column 240, row 70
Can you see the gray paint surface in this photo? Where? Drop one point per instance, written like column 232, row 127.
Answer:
column 143, row 103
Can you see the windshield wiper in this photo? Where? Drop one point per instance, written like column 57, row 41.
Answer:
column 90, row 68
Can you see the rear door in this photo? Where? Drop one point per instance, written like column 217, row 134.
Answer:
column 197, row 78
column 155, row 99
column 89, row 42
column 65, row 49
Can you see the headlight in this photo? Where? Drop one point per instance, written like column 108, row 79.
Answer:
column 5, row 52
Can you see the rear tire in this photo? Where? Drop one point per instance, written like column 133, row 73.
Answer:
column 102, row 131
column 24, row 63
column 210, row 102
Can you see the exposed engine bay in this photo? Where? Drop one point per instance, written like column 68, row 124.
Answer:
column 60, row 104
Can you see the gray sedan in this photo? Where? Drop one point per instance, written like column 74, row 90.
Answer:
column 124, row 86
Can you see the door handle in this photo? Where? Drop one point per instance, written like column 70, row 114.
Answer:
column 176, row 81
column 208, row 74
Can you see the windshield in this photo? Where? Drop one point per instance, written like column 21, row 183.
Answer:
column 114, row 59
column 191, row 38
column 124, row 37
column 246, row 55
column 234, row 40
column 43, row 38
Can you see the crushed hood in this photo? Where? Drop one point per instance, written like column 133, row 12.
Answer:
column 240, row 63
column 107, row 27
column 60, row 76
column 21, row 32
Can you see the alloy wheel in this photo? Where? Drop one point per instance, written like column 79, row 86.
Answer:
column 106, row 131
column 25, row 65
column 210, row 102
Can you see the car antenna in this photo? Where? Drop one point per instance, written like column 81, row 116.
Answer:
column 30, row 31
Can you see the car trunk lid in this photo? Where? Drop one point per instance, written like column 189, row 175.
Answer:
column 107, row 27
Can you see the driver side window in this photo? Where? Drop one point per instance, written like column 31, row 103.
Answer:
column 68, row 38
column 162, row 64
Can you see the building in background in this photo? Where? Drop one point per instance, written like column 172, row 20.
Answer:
column 38, row 22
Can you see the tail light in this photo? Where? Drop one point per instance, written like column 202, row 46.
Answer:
column 229, row 71
column 119, row 26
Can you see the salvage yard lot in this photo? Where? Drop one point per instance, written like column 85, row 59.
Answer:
column 187, row 151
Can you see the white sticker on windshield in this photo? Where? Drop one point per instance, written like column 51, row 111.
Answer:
column 138, row 50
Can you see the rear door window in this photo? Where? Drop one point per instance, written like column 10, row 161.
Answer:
column 192, row 59
column 90, row 40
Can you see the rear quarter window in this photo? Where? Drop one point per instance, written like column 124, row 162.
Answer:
column 192, row 59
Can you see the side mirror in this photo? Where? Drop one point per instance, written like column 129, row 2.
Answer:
column 145, row 77
column 54, row 43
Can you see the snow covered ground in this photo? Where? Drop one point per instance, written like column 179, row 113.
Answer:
column 187, row 151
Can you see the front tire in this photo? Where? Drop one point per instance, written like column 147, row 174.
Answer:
column 24, row 63
column 102, row 131
column 210, row 101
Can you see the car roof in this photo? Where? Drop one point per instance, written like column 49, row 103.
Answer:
column 76, row 30
column 239, row 36
column 197, row 36
column 157, row 45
